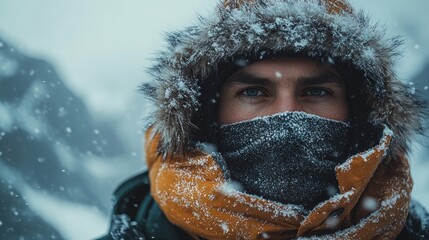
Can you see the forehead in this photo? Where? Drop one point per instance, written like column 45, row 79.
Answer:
column 288, row 67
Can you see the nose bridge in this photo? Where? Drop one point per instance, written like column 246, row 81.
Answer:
column 286, row 102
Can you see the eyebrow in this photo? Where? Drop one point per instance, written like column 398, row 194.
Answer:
column 322, row 78
column 250, row 79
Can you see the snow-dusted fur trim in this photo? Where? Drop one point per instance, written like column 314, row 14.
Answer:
column 269, row 27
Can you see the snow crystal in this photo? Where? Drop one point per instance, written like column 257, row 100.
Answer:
column 367, row 154
column 1, row 44
column 181, row 86
column 370, row 204
column 332, row 191
column 68, row 130
column 224, row 227
column 63, row 170
column 6, row 118
column 208, row 147
column 279, row 74
column 15, row 212
column 426, row 88
column 369, row 53
column 265, row 235
column 262, row 54
column 416, row 46
column 391, row 201
column 122, row 223
column 173, row 104
column 332, row 221
column 1, row 223
column 301, row 44
column 61, row 112
column 241, row 62
column 231, row 187
column 8, row 67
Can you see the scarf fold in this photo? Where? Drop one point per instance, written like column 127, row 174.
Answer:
column 193, row 193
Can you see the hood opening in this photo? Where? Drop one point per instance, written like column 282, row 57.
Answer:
column 358, row 99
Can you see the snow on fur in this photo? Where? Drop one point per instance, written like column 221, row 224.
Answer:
column 270, row 27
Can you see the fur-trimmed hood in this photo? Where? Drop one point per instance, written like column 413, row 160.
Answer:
column 256, row 29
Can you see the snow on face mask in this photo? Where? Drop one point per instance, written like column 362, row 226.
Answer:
column 288, row 157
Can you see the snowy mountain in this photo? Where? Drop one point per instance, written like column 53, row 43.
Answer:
column 49, row 147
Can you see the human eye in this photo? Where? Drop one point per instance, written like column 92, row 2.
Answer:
column 317, row 92
column 252, row 92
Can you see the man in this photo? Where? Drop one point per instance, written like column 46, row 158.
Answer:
column 276, row 119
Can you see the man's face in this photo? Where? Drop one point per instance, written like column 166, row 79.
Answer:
column 283, row 85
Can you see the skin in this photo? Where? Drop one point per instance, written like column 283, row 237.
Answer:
column 283, row 85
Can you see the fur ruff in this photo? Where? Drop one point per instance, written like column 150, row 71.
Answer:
column 269, row 27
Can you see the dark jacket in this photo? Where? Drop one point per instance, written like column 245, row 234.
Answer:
column 137, row 216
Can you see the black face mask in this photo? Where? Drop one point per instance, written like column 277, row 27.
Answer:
column 288, row 157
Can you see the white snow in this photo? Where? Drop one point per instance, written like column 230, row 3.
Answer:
column 224, row 227
column 231, row 187
column 73, row 221
column 6, row 117
column 8, row 67
column 241, row 62
column 332, row 221
column 265, row 235
column 370, row 204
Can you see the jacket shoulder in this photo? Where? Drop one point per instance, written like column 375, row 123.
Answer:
column 137, row 216
column 127, row 199
column 128, row 196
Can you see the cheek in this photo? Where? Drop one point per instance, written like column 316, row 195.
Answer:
column 232, row 110
column 337, row 110
column 229, row 111
column 342, row 110
column 223, row 111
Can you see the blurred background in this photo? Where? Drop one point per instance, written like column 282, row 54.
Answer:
column 71, row 115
